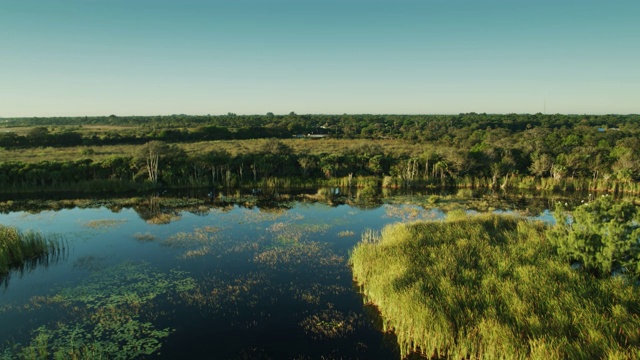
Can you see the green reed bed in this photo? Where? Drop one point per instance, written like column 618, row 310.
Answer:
column 18, row 248
column 493, row 287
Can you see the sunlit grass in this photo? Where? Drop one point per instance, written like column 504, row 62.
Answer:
column 492, row 287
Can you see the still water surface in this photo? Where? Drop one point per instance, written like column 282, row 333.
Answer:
column 213, row 282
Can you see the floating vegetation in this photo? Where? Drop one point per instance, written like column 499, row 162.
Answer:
column 144, row 237
column 312, row 254
column 289, row 233
column 331, row 324
column 346, row 233
column 103, row 224
column 199, row 237
column 27, row 250
column 315, row 292
column 195, row 253
column 216, row 293
column 112, row 312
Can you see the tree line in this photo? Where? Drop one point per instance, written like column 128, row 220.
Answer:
column 536, row 151
column 441, row 129
column 594, row 158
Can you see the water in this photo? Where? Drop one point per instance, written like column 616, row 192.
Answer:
column 239, row 281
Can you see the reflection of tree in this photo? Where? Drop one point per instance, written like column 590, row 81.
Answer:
column 274, row 207
column 152, row 212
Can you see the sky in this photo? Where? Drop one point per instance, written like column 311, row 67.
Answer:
column 157, row 57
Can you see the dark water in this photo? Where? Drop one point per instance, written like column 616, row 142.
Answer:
column 210, row 282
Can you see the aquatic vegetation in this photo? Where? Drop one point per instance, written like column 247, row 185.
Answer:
column 409, row 212
column 218, row 293
column 144, row 237
column 346, row 233
column 330, row 323
column 492, row 287
column 288, row 233
column 253, row 216
column 282, row 257
column 103, row 224
column 26, row 249
column 370, row 236
column 199, row 237
column 109, row 315
column 315, row 293
column 195, row 253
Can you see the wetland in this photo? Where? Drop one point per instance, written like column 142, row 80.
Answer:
column 238, row 276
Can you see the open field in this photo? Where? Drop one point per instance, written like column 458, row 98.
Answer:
column 81, row 129
column 234, row 147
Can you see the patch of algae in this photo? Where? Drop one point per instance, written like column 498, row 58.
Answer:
column 111, row 312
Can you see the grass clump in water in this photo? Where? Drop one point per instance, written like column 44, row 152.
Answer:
column 18, row 249
column 346, row 233
column 491, row 287
column 103, row 224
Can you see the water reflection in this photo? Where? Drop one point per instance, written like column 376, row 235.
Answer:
column 166, row 207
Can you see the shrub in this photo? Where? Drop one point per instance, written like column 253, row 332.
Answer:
column 601, row 235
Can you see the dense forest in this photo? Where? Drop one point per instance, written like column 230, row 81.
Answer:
column 581, row 152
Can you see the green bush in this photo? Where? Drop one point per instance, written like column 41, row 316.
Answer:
column 601, row 235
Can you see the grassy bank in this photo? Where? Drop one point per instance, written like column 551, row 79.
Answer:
column 18, row 249
column 492, row 287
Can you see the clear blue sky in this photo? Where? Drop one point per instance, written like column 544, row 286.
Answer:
column 144, row 57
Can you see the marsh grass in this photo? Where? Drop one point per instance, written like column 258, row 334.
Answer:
column 491, row 287
column 27, row 250
column 103, row 224
column 346, row 233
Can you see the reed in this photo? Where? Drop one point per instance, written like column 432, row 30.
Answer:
column 492, row 287
column 19, row 249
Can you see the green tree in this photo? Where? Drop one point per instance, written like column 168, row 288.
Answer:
column 603, row 236
column 151, row 154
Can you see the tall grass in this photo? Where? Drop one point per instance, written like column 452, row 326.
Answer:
column 20, row 250
column 492, row 287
